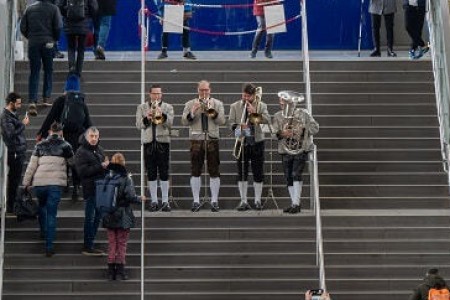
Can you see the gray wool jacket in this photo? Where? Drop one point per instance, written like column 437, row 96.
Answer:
column 382, row 7
column 234, row 119
column 162, row 130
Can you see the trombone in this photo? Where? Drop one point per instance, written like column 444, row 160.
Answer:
column 207, row 107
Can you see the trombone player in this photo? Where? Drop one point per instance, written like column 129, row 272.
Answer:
column 155, row 119
column 245, row 119
column 204, row 115
column 294, row 127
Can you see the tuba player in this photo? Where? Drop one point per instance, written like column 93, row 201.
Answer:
column 298, row 127
column 245, row 119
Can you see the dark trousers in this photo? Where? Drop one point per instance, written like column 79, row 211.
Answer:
column 376, row 25
column 293, row 166
column 91, row 221
column 414, row 19
column 49, row 197
column 75, row 43
column 255, row 154
column 198, row 157
column 15, row 165
column 156, row 157
column 261, row 21
column 72, row 138
column 39, row 55
column 184, row 38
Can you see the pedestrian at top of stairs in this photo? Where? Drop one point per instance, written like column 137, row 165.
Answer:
column 432, row 280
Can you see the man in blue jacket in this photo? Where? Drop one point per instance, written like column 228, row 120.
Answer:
column 414, row 19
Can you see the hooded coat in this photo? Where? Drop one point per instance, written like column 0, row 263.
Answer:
column 430, row 281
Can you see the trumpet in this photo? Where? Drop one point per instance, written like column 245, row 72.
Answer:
column 206, row 106
column 157, row 116
column 256, row 118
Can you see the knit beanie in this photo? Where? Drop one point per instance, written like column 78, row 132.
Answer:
column 72, row 83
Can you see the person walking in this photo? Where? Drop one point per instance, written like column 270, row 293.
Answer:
column 46, row 173
column 377, row 9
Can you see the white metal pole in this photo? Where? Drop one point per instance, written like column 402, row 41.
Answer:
column 143, row 39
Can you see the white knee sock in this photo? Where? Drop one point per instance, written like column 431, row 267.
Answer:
column 164, row 191
column 153, row 188
column 292, row 194
column 214, row 185
column 243, row 185
column 298, row 192
column 258, row 186
column 195, row 186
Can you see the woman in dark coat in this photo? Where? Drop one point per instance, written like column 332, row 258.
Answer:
column 121, row 219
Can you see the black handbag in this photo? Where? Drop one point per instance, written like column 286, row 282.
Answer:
column 25, row 207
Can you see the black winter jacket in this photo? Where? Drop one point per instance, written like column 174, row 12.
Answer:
column 55, row 115
column 430, row 281
column 107, row 7
column 13, row 132
column 41, row 23
column 88, row 163
column 122, row 217
column 79, row 27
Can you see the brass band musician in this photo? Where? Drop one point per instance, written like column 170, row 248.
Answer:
column 204, row 115
column 245, row 119
column 155, row 118
column 294, row 127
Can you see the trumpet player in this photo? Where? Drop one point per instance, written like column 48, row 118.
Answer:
column 155, row 118
column 298, row 130
column 204, row 115
column 245, row 119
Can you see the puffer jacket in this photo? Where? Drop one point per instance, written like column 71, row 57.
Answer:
column 88, row 163
column 79, row 27
column 122, row 217
column 48, row 163
column 13, row 132
column 430, row 281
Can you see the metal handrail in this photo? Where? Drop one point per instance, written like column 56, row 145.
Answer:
column 3, row 172
column 438, row 18
column 314, row 175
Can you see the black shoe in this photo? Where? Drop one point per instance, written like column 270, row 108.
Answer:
column 49, row 252
column 153, row 207
column 59, row 55
column 166, row 207
column 243, row 206
column 258, row 206
column 195, row 207
column 121, row 274
column 32, row 110
column 253, row 54
column 189, row 55
column 215, row 207
column 293, row 209
column 111, row 273
column 163, row 55
column 375, row 53
column 93, row 252
column 391, row 53
column 268, row 54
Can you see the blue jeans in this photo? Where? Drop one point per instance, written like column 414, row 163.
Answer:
column 102, row 24
column 91, row 222
column 40, row 55
column 49, row 197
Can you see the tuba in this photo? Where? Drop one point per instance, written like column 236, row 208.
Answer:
column 157, row 116
column 256, row 118
column 293, row 144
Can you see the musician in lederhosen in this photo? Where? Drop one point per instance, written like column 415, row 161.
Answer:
column 245, row 119
column 204, row 115
column 294, row 127
column 155, row 118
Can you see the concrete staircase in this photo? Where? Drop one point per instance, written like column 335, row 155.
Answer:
column 380, row 174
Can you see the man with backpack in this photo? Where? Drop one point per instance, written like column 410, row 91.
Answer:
column 433, row 287
column 76, row 15
column 73, row 114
